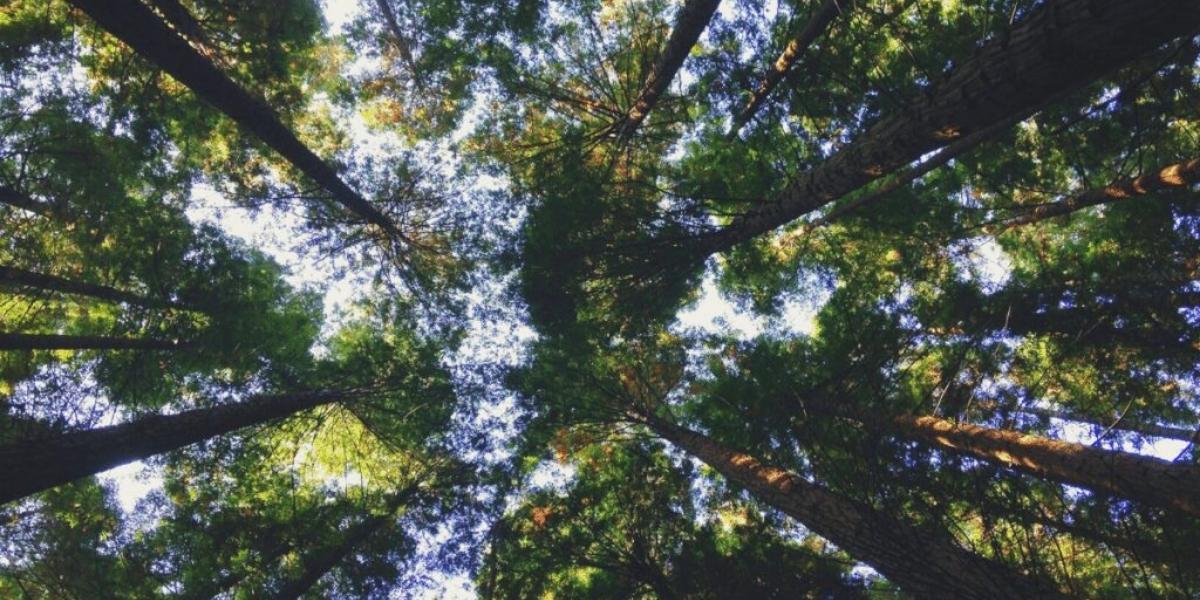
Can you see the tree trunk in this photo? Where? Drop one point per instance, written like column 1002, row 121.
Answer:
column 945, row 155
column 401, row 41
column 30, row 279
column 16, row 199
column 1178, row 176
column 1061, row 46
column 924, row 562
column 37, row 341
column 137, row 26
column 693, row 17
column 1174, row 486
column 817, row 24
column 1143, row 429
column 178, row 16
column 31, row 466
column 315, row 565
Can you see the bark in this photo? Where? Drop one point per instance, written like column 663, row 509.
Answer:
column 29, row 279
column 1061, row 46
column 924, row 562
column 16, row 199
column 137, row 26
column 945, row 155
column 315, row 565
column 816, row 26
column 1173, row 486
column 1174, row 177
column 693, row 17
column 31, row 466
column 37, row 341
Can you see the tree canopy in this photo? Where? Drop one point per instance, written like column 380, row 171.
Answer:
column 550, row 299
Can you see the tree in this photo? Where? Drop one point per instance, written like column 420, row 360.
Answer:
column 627, row 526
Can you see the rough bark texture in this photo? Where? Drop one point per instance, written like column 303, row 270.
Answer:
column 1178, row 176
column 12, row 276
column 315, row 565
column 1174, row 486
column 136, row 25
column 817, row 24
column 1059, row 47
column 924, row 562
column 693, row 17
column 32, row 466
column 37, row 341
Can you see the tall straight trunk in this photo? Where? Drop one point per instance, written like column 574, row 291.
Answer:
column 1146, row 429
column 924, row 562
column 136, row 25
column 1174, row 486
column 945, row 155
column 1173, row 177
column 693, row 17
column 400, row 41
column 31, row 466
column 1117, row 423
column 178, row 16
column 315, row 565
column 1061, row 46
column 814, row 28
column 38, row 341
column 16, row 199
column 12, row 276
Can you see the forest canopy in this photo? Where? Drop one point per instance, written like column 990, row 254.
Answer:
column 631, row 299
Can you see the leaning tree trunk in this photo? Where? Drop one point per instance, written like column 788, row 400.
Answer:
column 134, row 23
column 1116, row 423
column 16, row 199
column 37, row 341
column 315, row 565
column 32, row 466
column 1144, row 429
column 693, row 17
column 924, row 562
column 1174, row 177
column 1061, row 46
column 12, row 276
column 816, row 26
column 1174, row 486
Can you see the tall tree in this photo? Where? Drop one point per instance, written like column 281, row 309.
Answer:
column 36, row 465
column 135, row 24
column 820, row 19
column 690, row 22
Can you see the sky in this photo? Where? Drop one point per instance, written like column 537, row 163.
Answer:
column 980, row 259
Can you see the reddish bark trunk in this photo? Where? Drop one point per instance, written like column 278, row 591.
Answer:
column 1174, row 177
column 816, row 26
column 1174, row 486
column 1059, row 47
column 924, row 562
column 693, row 17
